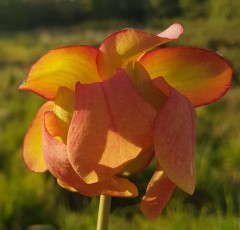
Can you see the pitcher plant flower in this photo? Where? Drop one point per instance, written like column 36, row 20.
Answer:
column 111, row 110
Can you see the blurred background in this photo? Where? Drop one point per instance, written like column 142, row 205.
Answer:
column 29, row 28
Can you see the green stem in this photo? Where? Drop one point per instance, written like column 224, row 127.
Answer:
column 103, row 212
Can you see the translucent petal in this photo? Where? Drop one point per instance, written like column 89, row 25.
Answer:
column 202, row 76
column 62, row 67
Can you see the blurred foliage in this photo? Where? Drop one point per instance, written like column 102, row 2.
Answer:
column 26, row 14
column 34, row 201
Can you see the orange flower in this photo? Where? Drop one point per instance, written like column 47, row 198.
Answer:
column 111, row 110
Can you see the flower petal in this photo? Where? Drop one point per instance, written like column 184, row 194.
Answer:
column 129, row 44
column 55, row 155
column 102, row 137
column 174, row 141
column 32, row 145
column 202, row 76
column 62, row 67
column 159, row 191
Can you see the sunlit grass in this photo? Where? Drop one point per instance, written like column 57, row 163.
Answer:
column 180, row 219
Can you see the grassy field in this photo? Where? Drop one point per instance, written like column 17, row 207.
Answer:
column 34, row 201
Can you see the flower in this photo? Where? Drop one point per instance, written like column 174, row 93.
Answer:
column 111, row 110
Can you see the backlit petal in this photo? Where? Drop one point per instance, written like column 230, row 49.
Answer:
column 119, row 187
column 63, row 109
column 102, row 137
column 129, row 44
column 159, row 191
column 62, row 67
column 32, row 145
column 202, row 76
column 174, row 140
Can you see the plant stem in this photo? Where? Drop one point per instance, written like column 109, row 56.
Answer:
column 103, row 212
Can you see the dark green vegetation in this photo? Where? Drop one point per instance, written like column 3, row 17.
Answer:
column 26, row 14
column 28, row 199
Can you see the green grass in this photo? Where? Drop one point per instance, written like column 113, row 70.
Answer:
column 34, row 201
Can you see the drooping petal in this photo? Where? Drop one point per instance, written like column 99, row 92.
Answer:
column 55, row 155
column 174, row 140
column 159, row 191
column 62, row 67
column 102, row 137
column 202, row 76
column 129, row 44
column 32, row 145
column 119, row 187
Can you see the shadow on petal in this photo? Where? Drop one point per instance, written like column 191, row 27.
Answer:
column 111, row 124
column 55, row 156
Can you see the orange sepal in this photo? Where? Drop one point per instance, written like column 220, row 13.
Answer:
column 62, row 67
column 32, row 144
column 128, row 45
column 201, row 75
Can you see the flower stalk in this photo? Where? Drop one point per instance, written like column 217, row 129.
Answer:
column 103, row 212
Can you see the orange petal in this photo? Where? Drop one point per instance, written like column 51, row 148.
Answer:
column 55, row 155
column 158, row 193
column 111, row 124
column 129, row 44
column 174, row 141
column 62, row 67
column 32, row 145
column 202, row 76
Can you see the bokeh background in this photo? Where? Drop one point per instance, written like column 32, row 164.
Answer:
column 29, row 28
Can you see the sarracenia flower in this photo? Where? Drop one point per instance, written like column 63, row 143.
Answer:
column 111, row 110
